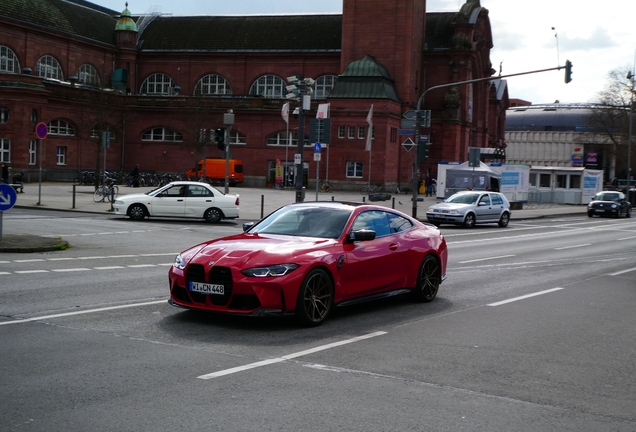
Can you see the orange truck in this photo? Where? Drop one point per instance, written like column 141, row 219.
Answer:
column 215, row 171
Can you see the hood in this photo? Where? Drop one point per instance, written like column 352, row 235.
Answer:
column 253, row 250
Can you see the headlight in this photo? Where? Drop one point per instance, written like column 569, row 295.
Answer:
column 119, row 202
column 589, row 205
column 431, row 209
column 274, row 270
column 179, row 262
column 614, row 205
column 453, row 212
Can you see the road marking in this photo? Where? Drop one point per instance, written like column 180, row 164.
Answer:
column 485, row 259
column 626, row 238
column 524, row 297
column 71, row 270
column 109, row 268
column 4, row 273
column 288, row 357
column 573, row 246
column 159, row 254
column 622, row 272
column 90, row 257
column 31, row 271
column 141, row 265
column 83, row 312
column 29, row 260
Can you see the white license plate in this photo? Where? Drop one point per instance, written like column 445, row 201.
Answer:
column 599, row 211
column 206, row 288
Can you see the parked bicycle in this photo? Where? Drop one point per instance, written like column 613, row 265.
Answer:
column 326, row 187
column 106, row 191
column 371, row 189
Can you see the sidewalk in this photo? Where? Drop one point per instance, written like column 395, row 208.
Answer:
column 254, row 203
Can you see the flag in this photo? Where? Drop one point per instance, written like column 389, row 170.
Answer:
column 370, row 121
column 323, row 111
column 285, row 112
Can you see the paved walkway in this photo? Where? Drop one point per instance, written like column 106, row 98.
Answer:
column 254, row 203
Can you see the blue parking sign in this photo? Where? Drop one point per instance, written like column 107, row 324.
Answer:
column 317, row 147
column 7, row 197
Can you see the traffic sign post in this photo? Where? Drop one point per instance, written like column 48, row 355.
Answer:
column 41, row 130
column 8, row 198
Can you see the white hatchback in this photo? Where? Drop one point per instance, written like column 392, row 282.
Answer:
column 180, row 199
column 469, row 208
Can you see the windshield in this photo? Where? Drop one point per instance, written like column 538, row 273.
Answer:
column 607, row 197
column 324, row 222
column 463, row 198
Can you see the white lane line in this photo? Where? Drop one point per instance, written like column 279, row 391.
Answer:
column 5, row 262
column 122, row 256
column 83, row 312
column 88, row 234
column 4, row 273
column 62, row 259
column 109, row 268
column 70, row 270
column 31, row 271
column 288, row 357
column 524, row 297
column 28, row 260
column 90, row 257
column 485, row 259
column 159, row 254
column 142, row 265
column 626, row 238
column 622, row 272
column 573, row 246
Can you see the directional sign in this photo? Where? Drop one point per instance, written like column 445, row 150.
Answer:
column 407, row 123
column 406, row 131
column 317, row 147
column 7, row 197
column 409, row 114
column 41, row 130
column 408, row 144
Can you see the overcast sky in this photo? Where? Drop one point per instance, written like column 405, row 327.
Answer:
column 595, row 36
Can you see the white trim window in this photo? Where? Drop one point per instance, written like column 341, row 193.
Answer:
column 341, row 131
column 237, row 138
column 324, row 85
column 361, row 132
column 352, row 132
column 61, row 155
column 87, row 74
column 211, row 85
column 269, row 86
column 49, row 67
column 8, row 61
column 33, row 152
column 158, row 84
column 61, row 127
column 355, row 169
column 161, row 134
column 5, row 150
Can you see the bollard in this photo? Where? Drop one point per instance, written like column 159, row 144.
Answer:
column 112, row 198
column 393, row 203
column 332, row 198
column 262, row 205
column 73, row 196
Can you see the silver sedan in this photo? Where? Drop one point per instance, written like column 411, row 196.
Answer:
column 468, row 208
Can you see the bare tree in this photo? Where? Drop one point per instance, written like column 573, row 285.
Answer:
column 611, row 119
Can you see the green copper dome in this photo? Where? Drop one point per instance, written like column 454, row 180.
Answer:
column 125, row 21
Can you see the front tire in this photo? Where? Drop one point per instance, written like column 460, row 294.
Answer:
column 315, row 298
column 137, row 212
column 428, row 280
column 469, row 222
column 505, row 219
column 213, row 215
column 629, row 212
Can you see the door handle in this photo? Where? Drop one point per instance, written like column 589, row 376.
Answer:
column 393, row 247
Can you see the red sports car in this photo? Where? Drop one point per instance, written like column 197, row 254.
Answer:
column 306, row 258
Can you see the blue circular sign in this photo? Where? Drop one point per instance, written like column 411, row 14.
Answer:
column 317, row 147
column 41, row 130
column 7, row 197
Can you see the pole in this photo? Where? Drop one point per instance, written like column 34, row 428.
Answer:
column 227, row 159
column 40, row 176
column 299, row 150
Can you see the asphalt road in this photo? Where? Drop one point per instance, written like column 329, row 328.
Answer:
column 533, row 330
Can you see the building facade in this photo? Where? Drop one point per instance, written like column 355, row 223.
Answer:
column 160, row 83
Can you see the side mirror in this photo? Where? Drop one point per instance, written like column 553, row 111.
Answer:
column 247, row 225
column 361, row 235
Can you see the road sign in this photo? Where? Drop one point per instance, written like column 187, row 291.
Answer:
column 407, row 124
column 317, row 147
column 297, row 159
column 409, row 114
column 317, row 157
column 408, row 144
column 7, row 197
column 41, row 130
column 406, row 131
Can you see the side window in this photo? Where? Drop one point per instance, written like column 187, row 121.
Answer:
column 199, row 191
column 496, row 200
column 485, row 199
column 175, row 191
column 374, row 220
column 398, row 223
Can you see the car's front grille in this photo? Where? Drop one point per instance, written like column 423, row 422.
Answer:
column 216, row 275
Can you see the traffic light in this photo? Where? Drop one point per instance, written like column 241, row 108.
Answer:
column 568, row 71
column 422, row 150
column 219, row 138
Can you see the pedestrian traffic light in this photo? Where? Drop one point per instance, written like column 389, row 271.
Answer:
column 219, row 138
column 568, row 71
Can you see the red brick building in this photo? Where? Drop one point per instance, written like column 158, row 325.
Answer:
column 160, row 83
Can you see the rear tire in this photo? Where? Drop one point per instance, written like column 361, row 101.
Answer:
column 213, row 215
column 505, row 219
column 428, row 280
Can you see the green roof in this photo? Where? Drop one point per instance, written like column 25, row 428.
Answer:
column 364, row 79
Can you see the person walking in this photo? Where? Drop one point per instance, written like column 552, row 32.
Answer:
column 5, row 173
column 428, row 184
column 135, row 175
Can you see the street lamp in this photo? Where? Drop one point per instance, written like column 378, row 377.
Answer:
column 630, row 77
column 300, row 89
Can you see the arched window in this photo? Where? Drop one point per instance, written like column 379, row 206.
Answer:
column 269, row 86
column 161, row 134
column 323, row 86
column 48, row 67
column 8, row 61
column 158, row 84
column 282, row 139
column 61, row 127
column 211, row 85
column 88, row 75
